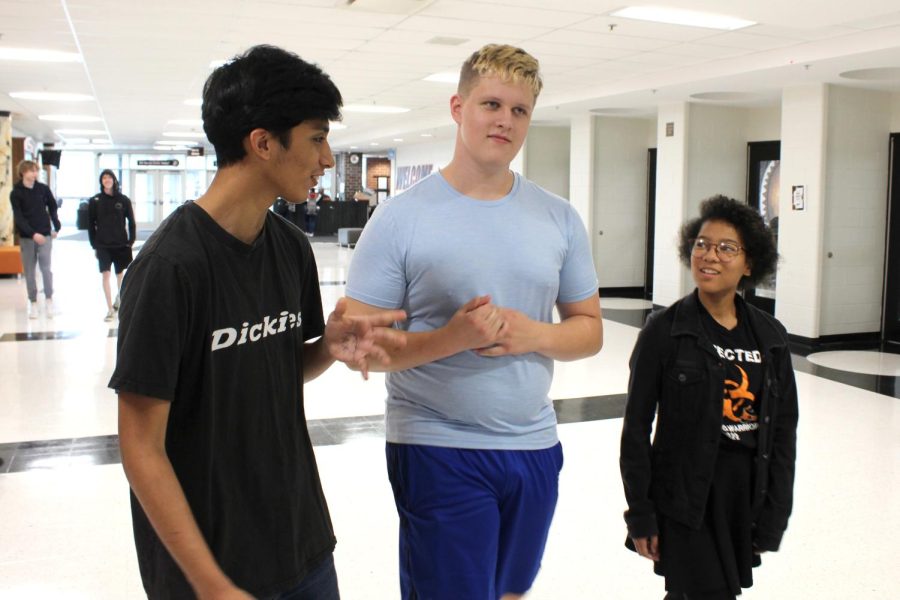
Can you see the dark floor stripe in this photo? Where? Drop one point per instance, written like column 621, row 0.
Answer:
column 33, row 336
column 104, row 450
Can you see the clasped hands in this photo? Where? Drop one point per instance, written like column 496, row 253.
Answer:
column 492, row 330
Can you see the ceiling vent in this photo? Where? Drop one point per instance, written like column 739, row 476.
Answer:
column 443, row 40
column 394, row 7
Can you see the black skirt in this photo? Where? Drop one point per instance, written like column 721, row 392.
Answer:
column 716, row 560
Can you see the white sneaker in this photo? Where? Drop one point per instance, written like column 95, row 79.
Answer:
column 48, row 307
column 110, row 315
column 32, row 310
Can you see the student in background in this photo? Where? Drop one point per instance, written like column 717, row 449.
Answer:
column 36, row 221
column 112, row 232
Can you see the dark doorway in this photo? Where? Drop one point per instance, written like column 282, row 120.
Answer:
column 763, row 191
column 890, row 315
column 651, row 222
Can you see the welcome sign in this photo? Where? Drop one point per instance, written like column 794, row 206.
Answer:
column 409, row 176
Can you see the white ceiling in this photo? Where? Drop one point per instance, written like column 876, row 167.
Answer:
column 142, row 60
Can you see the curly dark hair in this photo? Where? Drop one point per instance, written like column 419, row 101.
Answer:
column 756, row 237
column 266, row 88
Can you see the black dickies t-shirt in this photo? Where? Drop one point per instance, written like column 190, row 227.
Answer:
column 743, row 378
column 217, row 327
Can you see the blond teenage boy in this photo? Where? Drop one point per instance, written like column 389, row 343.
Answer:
column 478, row 257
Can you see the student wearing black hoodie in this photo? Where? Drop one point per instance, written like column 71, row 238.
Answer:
column 111, row 230
column 34, row 212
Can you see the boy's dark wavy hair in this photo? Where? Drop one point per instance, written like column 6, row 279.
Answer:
column 264, row 88
column 756, row 237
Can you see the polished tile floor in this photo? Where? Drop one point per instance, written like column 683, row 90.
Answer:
column 65, row 527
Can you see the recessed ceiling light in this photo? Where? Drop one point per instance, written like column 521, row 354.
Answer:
column 443, row 77
column 374, row 144
column 70, row 118
column 186, row 134
column 101, row 141
column 187, row 122
column 374, row 108
column 677, row 16
column 336, row 126
column 426, row 135
column 398, row 139
column 194, row 101
column 174, row 142
column 79, row 132
column 880, row 74
column 53, row 96
column 353, row 147
column 38, row 55
column 77, row 140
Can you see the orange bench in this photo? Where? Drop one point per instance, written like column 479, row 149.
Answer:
column 10, row 260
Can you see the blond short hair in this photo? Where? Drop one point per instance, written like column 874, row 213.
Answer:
column 26, row 165
column 509, row 63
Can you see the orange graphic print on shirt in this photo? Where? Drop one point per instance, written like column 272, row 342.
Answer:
column 737, row 404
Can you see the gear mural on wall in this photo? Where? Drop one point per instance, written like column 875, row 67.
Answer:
column 6, row 180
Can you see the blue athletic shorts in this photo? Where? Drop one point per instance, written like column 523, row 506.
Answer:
column 473, row 523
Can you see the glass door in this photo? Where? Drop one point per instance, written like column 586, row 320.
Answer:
column 763, row 191
column 155, row 194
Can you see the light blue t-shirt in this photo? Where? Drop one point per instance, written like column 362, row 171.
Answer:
column 429, row 251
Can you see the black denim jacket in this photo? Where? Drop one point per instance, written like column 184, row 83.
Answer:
column 676, row 372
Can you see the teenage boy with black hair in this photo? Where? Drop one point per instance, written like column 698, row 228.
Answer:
column 111, row 232
column 217, row 316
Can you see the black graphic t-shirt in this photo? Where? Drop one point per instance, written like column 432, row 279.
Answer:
column 217, row 328
column 743, row 378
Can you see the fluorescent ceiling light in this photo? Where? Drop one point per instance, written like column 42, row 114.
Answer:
column 54, row 96
column 398, row 139
column 426, row 135
column 187, row 122
column 335, row 126
column 676, row 16
column 186, row 134
column 70, row 118
column 38, row 55
column 194, row 101
column 101, row 141
column 175, row 143
column 374, row 108
column 77, row 140
column 443, row 77
column 374, row 144
column 65, row 132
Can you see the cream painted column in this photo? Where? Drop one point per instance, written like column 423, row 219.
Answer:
column 671, row 189
column 804, row 112
column 581, row 175
column 6, row 179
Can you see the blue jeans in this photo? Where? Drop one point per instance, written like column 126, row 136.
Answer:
column 319, row 584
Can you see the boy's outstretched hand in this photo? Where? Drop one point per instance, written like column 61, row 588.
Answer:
column 354, row 340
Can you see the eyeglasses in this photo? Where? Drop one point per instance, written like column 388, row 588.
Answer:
column 725, row 250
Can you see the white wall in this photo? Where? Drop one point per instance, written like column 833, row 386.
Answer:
column 671, row 186
column 620, row 199
column 546, row 158
column 803, row 160
column 581, row 172
column 856, row 175
column 763, row 124
column 895, row 112
column 437, row 153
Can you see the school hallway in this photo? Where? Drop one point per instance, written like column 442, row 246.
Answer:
column 66, row 526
